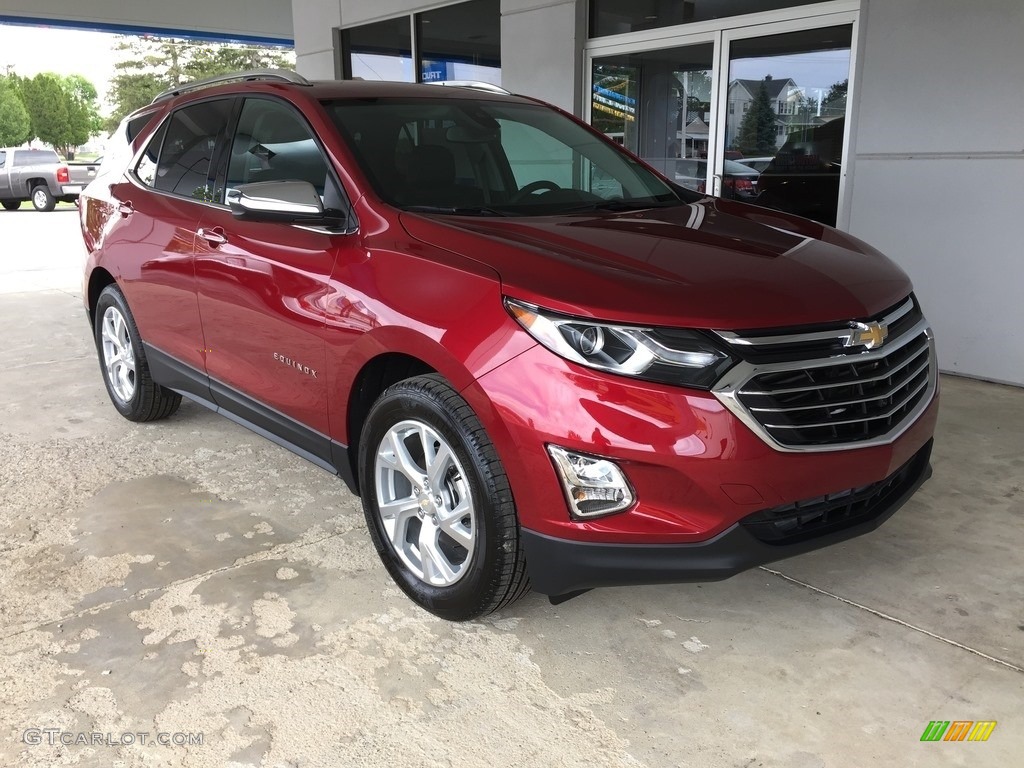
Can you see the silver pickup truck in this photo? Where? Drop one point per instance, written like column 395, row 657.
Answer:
column 38, row 175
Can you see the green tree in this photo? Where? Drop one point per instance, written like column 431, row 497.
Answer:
column 84, row 92
column 15, row 124
column 47, row 106
column 757, row 130
column 151, row 65
column 207, row 60
column 834, row 103
column 83, row 113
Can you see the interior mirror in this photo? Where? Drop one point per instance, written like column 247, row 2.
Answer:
column 275, row 201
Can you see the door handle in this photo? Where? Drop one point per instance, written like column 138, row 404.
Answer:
column 213, row 236
column 126, row 209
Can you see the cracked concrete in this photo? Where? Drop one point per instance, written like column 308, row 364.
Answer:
column 189, row 577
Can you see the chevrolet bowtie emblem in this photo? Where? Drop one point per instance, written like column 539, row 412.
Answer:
column 868, row 335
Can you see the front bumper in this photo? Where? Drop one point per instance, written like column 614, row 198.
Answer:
column 562, row 566
column 696, row 469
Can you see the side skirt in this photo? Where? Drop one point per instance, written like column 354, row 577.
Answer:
column 311, row 445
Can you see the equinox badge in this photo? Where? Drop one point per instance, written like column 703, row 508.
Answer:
column 295, row 364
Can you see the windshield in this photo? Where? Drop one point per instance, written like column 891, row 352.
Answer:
column 490, row 158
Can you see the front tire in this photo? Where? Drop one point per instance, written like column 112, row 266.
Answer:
column 438, row 503
column 123, row 362
column 43, row 200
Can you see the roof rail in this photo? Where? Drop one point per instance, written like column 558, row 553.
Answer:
column 280, row 75
column 474, row 84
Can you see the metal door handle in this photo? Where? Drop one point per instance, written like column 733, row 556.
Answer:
column 125, row 209
column 213, row 236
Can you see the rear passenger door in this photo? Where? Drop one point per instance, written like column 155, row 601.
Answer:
column 262, row 285
column 156, row 209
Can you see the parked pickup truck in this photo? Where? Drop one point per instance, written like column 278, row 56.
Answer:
column 39, row 176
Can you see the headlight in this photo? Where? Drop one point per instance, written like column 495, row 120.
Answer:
column 668, row 355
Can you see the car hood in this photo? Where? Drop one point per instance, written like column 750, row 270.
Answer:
column 708, row 264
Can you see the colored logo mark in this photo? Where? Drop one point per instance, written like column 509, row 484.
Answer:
column 958, row 730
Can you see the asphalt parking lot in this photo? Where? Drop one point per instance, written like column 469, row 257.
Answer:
column 189, row 582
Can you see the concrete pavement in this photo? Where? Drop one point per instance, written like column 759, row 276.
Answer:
column 191, row 579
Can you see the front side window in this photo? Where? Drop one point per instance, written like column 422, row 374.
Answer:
column 185, row 163
column 272, row 143
column 493, row 156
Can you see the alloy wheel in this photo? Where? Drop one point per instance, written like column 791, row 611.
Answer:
column 118, row 355
column 424, row 503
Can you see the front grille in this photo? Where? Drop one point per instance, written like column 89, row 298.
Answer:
column 821, row 401
column 842, row 403
column 810, row 518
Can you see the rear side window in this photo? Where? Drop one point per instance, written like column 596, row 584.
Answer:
column 3, row 159
column 184, row 166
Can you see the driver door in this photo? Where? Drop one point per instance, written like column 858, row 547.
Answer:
column 262, row 284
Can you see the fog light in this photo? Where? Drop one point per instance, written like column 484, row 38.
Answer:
column 593, row 486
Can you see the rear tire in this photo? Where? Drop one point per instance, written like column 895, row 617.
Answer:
column 42, row 199
column 123, row 362
column 438, row 503
column 11, row 205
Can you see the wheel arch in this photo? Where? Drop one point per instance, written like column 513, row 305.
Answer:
column 99, row 279
column 377, row 374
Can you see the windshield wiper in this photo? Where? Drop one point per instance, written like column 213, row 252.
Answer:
column 474, row 210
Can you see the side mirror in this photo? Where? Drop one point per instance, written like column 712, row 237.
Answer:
column 287, row 201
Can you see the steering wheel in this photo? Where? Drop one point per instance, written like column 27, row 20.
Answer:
column 535, row 186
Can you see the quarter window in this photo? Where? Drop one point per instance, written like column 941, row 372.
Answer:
column 146, row 169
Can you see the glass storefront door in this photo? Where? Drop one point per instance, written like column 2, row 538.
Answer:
column 785, row 118
column 756, row 113
column 658, row 105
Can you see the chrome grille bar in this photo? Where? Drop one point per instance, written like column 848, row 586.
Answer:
column 840, row 332
column 859, row 420
column 839, row 404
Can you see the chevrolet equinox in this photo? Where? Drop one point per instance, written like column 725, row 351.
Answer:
column 535, row 359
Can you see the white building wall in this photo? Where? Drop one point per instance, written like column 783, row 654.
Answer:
column 541, row 50
column 315, row 22
column 267, row 19
column 938, row 168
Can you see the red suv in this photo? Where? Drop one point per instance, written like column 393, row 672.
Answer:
column 535, row 359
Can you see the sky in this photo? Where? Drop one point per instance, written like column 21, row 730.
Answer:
column 818, row 70
column 64, row 51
